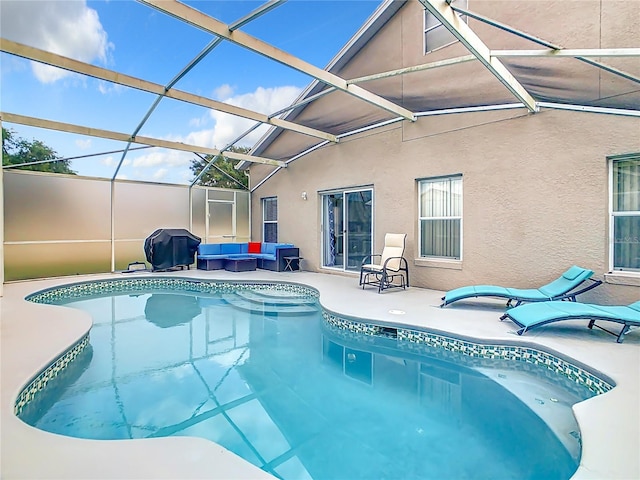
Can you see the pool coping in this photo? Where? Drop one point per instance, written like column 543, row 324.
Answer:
column 198, row 458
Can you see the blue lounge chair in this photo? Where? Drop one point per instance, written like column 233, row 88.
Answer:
column 536, row 314
column 563, row 288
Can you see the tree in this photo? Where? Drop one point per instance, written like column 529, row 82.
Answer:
column 222, row 173
column 17, row 150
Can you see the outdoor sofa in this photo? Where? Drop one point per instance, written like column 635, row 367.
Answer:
column 269, row 256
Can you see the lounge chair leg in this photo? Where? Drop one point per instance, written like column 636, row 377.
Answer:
column 407, row 272
column 624, row 330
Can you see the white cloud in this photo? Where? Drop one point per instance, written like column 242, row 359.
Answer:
column 229, row 127
column 170, row 164
column 106, row 87
column 68, row 28
column 83, row 144
column 163, row 158
column 111, row 162
column 223, row 91
column 160, row 174
column 263, row 100
column 198, row 122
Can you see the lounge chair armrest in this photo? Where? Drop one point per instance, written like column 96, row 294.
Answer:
column 368, row 258
column 403, row 261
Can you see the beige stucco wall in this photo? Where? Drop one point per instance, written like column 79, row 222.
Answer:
column 535, row 186
column 535, row 193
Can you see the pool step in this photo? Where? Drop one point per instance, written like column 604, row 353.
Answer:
column 275, row 297
column 250, row 302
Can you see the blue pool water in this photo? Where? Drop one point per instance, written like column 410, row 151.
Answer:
column 261, row 373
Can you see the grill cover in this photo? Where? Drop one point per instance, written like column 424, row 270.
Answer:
column 171, row 247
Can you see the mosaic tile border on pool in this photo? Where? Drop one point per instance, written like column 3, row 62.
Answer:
column 419, row 341
column 41, row 379
column 99, row 287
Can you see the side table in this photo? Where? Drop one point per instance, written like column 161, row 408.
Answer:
column 292, row 263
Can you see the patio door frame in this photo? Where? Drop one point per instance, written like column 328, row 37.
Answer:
column 353, row 244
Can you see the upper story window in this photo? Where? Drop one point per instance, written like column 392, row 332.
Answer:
column 436, row 35
column 440, row 222
column 625, row 213
column 270, row 219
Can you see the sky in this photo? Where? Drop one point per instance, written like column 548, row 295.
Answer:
column 129, row 37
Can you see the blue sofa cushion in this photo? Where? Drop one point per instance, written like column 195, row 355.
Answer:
column 209, row 249
column 227, row 248
column 270, row 247
column 266, row 256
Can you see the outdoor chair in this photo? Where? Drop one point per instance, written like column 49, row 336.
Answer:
column 535, row 314
column 563, row 288
column 392, row 269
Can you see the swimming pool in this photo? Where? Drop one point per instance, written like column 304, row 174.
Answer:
column 229, row 372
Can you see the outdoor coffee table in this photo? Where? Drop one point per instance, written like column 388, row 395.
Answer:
column 241, row 264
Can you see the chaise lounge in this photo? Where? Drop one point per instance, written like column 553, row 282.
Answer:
column 563, row 288
column 536, row 314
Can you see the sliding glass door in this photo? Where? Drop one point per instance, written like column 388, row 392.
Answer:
column 347, row 228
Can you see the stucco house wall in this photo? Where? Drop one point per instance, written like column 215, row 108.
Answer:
column 535, row 193
column 535, row 186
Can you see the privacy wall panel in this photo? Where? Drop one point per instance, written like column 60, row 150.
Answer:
column 140, row 209
column 41, row 260
column 128, row 251
column 55, row 207
column 62, row 224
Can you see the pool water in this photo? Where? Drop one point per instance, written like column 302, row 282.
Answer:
column 261, row 374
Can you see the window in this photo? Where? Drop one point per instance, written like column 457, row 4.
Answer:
column 436, row 35
column 440, row 210
column 270, row 219
column 625, row 213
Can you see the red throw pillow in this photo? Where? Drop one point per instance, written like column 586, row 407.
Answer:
column 254, row 247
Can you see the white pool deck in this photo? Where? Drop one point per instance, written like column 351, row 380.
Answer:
column 33, row 335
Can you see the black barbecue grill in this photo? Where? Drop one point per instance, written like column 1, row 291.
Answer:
column 168, row 248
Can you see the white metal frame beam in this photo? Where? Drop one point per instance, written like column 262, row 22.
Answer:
column 261, row 10
column 198, row 19
column 415, row 68
column 545, row 43
column 590, row 109
column 445, row 14
column 566, row 52
column 124, row 137
column 42, row 56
